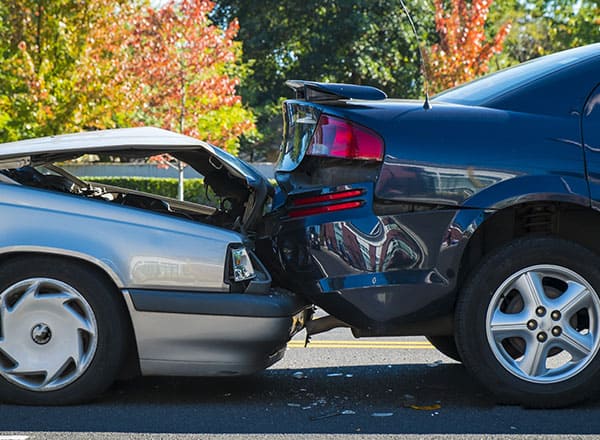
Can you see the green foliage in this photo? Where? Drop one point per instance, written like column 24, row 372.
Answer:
column 370, row 42
column 194, row 189
column 541, row 27
column 356, row 41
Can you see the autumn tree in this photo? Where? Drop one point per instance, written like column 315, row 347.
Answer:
column 42, row 43
column 181, row 72
column 464, row 50
column 71, row 65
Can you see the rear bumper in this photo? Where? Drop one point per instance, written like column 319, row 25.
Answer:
column 380, row 273
column 212, row 334
column 278, row 304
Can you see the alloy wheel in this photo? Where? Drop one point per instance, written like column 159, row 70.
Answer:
column 542, row 324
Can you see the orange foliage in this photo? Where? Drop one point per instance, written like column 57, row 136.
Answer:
column 172, row 67
column 462, row 53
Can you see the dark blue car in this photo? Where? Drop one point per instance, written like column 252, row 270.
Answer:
column 474, row 222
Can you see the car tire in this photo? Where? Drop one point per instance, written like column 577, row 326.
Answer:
column 445, row 345
column 528, row 323
column 64, row 331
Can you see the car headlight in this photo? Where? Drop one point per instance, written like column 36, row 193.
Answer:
column 242, row 265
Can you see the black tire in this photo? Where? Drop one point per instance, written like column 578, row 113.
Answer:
column 446, row 345
column 111, row 336
column 471, row 326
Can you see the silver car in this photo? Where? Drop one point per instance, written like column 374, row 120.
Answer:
column 99, row 282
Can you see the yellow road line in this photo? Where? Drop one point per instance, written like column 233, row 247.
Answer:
column 359, row 342
column 366, row 341
column 363, row 344
column 363, row 347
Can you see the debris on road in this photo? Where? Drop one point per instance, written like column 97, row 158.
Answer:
column 299, row 375
column 326, row 415
column 425, row 407
column 408, row 400
column 435, row 363
column 345, row 412
column 335, row 374
column 382, row 414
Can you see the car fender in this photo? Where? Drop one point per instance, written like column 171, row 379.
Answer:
column 506, row 194
column 105, row 265
column 531, row 188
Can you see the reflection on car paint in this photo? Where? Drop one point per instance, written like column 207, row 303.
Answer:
column 434, row 184
column 387, row 245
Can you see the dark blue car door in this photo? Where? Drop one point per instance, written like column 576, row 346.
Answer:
column 591, row 141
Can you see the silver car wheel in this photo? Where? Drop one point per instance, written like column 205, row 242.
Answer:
column 542, row 324
column 48, row 334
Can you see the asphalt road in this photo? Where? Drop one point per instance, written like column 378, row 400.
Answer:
column 337, row 388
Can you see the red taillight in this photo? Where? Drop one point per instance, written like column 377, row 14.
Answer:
column 335, row 137
column 298, row 204
column 327, row 197
column 323, row 209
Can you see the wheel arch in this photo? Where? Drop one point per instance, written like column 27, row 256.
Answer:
column 567, row 220
column 103, row 266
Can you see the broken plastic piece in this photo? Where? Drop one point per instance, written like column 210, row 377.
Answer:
column 299, row 375
column 326, row 415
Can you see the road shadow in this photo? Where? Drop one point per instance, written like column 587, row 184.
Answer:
column 358, row 399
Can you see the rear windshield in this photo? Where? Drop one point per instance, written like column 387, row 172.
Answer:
column 482, row 90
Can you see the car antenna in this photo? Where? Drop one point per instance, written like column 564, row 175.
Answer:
column 426, row 104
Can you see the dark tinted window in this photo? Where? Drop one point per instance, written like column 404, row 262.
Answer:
column 480, row 91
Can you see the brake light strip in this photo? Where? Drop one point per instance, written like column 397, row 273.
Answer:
column 325, row 209
column 327, row 197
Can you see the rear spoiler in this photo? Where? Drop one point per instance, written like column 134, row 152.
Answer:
column 317, row 91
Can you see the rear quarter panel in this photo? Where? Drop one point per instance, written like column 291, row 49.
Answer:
column 451, row 155
column 138, row 249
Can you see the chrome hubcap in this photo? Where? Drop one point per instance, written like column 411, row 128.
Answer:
column 542, row 324
column 48, row 334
